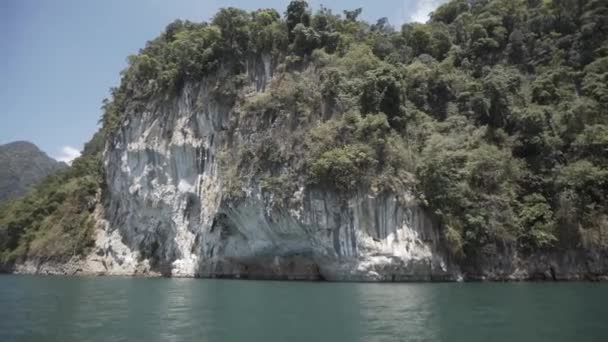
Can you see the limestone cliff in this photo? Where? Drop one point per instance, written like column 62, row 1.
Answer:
column 167, row 198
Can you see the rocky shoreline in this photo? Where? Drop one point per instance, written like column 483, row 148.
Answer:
column 538, row 268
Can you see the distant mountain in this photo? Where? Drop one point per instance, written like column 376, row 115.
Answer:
column 23, row 164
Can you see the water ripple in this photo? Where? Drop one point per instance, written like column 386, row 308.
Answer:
column 132, row 309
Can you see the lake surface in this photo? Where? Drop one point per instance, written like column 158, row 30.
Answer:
column 38, row 308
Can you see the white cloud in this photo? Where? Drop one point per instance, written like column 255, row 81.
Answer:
column 67, row 154
column 420, row 9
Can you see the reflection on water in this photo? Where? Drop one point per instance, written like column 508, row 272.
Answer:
column 131, row 309
column 397, row 312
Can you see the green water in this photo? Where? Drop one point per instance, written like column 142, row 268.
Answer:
column 129, row 309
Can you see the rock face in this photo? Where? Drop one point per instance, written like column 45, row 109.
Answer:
column 167, row 198
column 23, row 165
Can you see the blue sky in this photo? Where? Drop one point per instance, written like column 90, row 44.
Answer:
column 58, row 58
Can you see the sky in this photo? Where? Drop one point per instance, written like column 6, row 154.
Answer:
column 59, row 58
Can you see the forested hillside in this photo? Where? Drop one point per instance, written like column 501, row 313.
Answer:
column 494, row 112
column 23, row 165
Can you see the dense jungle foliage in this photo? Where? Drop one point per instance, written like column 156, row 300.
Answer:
column 494, row 111
column 54, row 220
